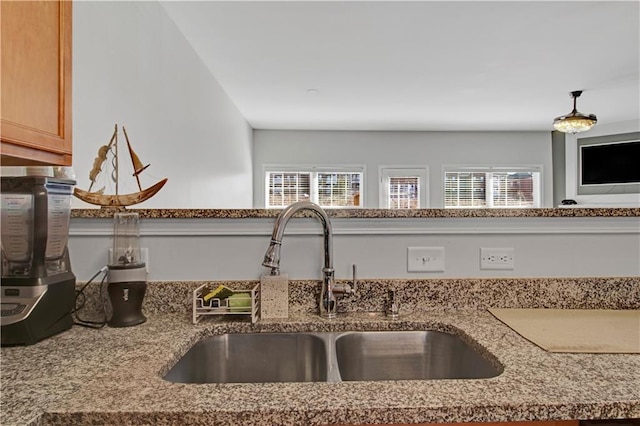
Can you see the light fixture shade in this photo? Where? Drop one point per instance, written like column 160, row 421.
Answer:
column 575, row 121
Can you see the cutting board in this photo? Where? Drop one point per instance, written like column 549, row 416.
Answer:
column 576, row 330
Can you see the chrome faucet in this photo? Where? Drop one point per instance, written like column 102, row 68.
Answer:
column 328, row 302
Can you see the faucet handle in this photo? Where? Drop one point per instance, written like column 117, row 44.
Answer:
column 352, row 287
column 354, row 281
column 393, row 306
column 347, row 288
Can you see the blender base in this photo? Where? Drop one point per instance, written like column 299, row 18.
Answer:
column 126, row 301
column 50, row 315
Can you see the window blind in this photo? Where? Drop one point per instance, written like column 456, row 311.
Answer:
column 463, row 189
column 403, row 187
column 514, row 190
column 329, row 189
column 339, row 189
column 492, row 189
column 404, row 192
column 284, row 188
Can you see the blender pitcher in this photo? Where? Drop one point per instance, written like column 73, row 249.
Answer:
column 127, row 272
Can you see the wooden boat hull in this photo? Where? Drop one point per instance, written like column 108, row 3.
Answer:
column 119, row 200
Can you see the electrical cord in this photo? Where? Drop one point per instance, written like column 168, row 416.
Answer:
column 83, row 299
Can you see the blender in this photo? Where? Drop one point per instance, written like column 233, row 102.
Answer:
column 127, row 273
column 38, row 287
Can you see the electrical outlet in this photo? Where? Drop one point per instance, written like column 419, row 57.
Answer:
column 144, row 255
column 497, row 258
column 425, row 259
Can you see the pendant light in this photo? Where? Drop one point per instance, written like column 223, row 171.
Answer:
column 575, row 121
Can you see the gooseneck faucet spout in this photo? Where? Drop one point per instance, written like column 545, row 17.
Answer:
column 327, row 303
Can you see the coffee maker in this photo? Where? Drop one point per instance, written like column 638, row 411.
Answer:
column 38, row 287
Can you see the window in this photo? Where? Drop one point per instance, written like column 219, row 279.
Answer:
column 404, row 192
column 403, row 188
column 328, row 187
column 492, row 187
column 285, row 188
column 338, row 189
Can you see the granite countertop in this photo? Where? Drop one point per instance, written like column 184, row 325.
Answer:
column 114, row 376
column 363, row 213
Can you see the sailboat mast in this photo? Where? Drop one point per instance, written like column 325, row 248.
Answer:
column 115, row 168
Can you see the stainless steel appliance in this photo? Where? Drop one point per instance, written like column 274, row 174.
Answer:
column 38, row 287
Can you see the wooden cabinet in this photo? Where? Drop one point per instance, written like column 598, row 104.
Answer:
column 36, row 82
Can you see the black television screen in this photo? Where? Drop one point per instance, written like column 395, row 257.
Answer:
column 610, row 163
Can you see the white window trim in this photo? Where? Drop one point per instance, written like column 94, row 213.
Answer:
column 387, row 171
column 480, row 168
column 315, row 168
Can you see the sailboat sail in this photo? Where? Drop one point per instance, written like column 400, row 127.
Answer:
column 101, row 158
column 117, row 200
column 137, row 164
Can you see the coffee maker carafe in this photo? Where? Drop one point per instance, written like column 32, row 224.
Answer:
column 38, row 287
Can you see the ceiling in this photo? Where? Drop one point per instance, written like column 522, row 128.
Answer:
column 418, row 65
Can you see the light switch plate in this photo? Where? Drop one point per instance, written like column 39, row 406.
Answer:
column 425, row 259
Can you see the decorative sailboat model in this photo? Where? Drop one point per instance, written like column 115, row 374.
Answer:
column 117, row 200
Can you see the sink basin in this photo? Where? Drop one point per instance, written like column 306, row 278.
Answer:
column 330, row 357
column 409, row 355
column 253, row 358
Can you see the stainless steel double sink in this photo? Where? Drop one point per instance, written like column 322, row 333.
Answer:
column 331, row 357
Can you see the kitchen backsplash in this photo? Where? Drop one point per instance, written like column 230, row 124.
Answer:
column 413, row 295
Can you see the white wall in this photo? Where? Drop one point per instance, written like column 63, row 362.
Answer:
column 419, row 149
column 227, row 249
column 132, row 66
column 571, row 153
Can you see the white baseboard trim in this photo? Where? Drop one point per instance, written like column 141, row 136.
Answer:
column 395, row 226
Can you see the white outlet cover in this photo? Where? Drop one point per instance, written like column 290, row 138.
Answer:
column 497, row 258
column 425, row 259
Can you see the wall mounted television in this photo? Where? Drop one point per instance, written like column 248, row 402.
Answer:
column 609, row 164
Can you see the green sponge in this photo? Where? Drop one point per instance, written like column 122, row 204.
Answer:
column 220, row 292
column 239, row 302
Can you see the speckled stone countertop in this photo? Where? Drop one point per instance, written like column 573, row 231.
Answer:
column 366, row 213
column 114, row 375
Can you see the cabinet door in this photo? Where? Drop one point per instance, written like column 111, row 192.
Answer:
column 36, row 82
